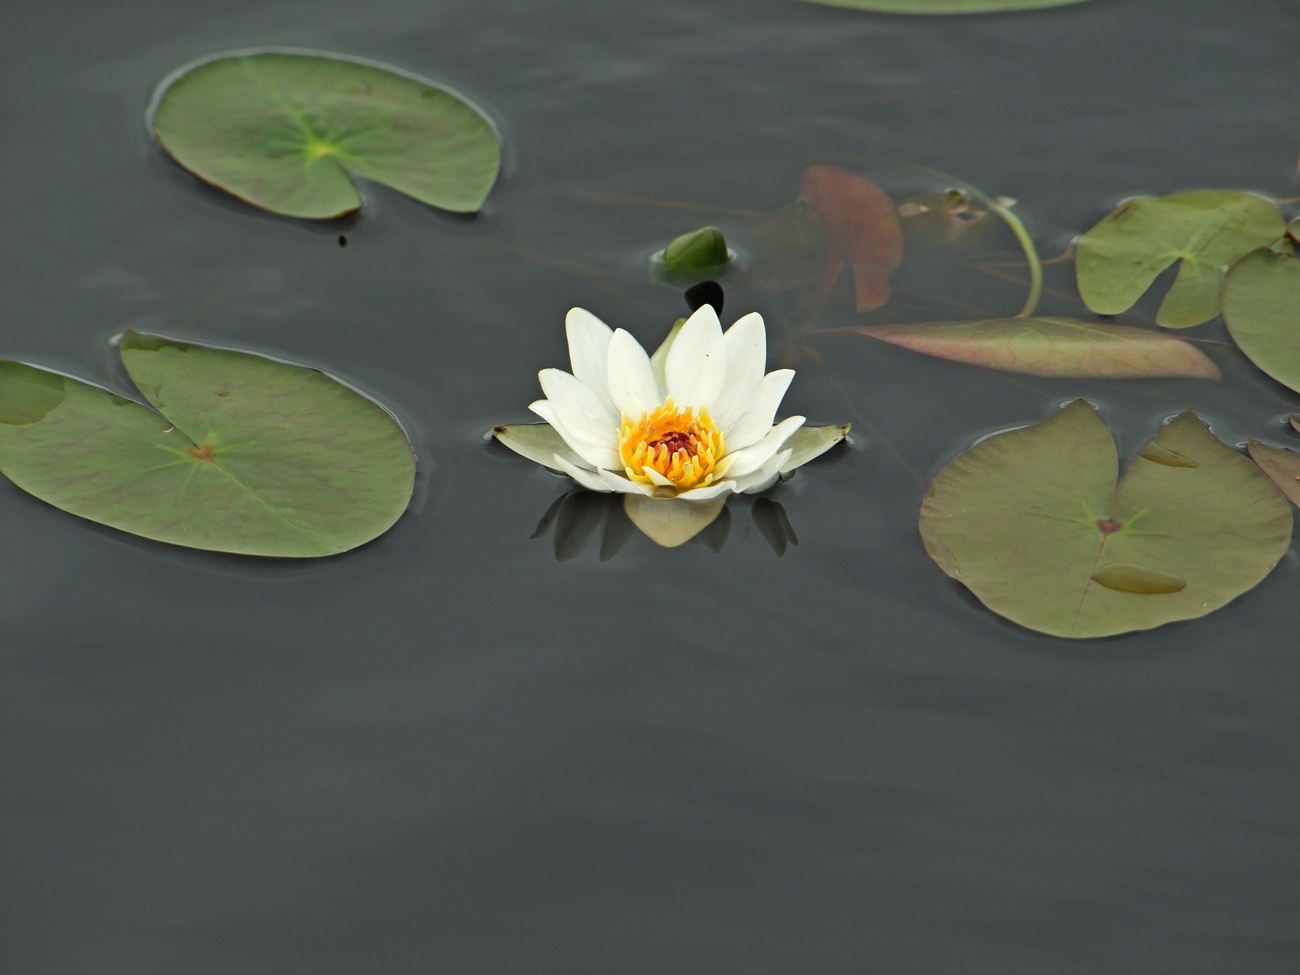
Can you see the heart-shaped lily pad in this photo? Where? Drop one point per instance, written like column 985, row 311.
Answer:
column 943, row 6
column 1261, row 306
column 1207, row 230
column 1053, row 347
column 244, row 454
column 287, row 131
column 1033, row 522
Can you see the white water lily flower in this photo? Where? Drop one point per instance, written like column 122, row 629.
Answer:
column 692, row 423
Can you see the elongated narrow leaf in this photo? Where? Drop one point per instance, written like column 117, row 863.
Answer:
column 863, row 220
column 244, row 454
column 1035, row 525
column 1207, row 230
column 286, row 132
column 1261, row 306
column 943, row 6
column 1053, row 347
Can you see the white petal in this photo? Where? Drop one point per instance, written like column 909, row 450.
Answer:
column 709, row 492
column 623, row 485
column 745, row 350
column 741, row 462
column 632, row 385
column 588, row 479
column 586, row 424
column 589, row 350
column 672, row 523
column 660, row 356
column 760, row 411
column 546, row 411
column 696, row 364
column 764, row 477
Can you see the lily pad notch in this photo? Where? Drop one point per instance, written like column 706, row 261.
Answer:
column 1036, row 524
column 235, row 452
column 288, row 131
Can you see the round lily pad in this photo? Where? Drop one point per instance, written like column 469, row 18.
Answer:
column 1034, row 523
column 943, row 6
column 288, row 131
column 1261, row 306
column 1207, row 230
column 244, row 454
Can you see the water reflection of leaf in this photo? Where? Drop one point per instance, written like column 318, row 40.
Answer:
column 1033, row 522
column 774, row 525
column 577, row 517
column 1120, row 257
column 1052, row 347
column 864, row 223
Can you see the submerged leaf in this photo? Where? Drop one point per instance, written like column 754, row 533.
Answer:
column 1052, row 347
column 1261, row 306
column 793, row 248
column 1033, row 523
column 286, row 132
column 1207, row 230
column 943, row 6
column 863, row 220
column 244, row 454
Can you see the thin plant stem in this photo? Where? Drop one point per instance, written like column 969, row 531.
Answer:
column 1031, row 255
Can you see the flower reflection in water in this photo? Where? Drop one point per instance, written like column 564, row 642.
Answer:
column 574, row 519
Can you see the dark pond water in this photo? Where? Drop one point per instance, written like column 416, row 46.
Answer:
column 447, row 751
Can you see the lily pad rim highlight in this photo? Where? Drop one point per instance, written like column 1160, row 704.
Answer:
column 160, row 90
column 134, row 395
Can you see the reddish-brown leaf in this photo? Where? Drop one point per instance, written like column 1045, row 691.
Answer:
column 862, row 218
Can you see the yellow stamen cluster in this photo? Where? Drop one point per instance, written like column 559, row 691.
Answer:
column 681, row 447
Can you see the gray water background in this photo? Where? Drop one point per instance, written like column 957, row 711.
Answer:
column 447, row 751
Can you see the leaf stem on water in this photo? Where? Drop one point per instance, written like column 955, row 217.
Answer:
column 1031, row 255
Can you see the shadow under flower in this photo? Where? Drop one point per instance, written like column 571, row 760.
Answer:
column 574, row 519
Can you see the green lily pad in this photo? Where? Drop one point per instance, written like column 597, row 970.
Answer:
column 943, row 6
column 1261, row 306
column 287, row 132
column 244, row 454
column 1052, row 347
column 699, row 254
column 1035, row 525
column 1207, row 230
